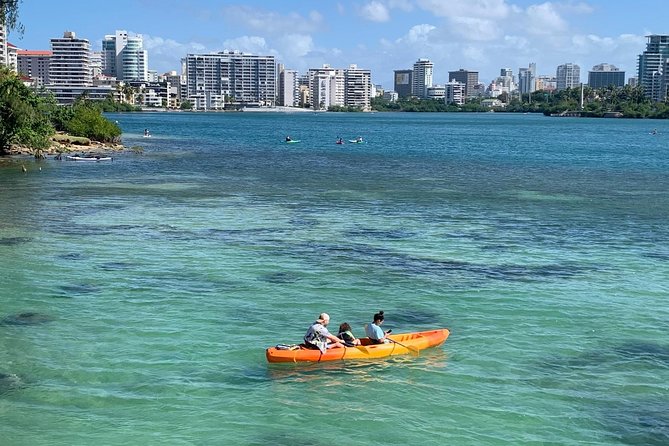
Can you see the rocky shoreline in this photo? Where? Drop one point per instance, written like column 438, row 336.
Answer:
column 62, row 144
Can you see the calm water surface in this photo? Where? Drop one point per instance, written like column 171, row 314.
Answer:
column 152, row 284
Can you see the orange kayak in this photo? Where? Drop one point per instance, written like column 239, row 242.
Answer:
column 401, row 344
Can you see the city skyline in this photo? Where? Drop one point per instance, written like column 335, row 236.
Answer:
column 379, row 35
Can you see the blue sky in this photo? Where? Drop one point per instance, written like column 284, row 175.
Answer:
column 381, row 35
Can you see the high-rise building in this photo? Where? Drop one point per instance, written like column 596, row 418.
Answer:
column 245, row 79
column 357, row 88
column 568, row 76
column 455, row 93
column 402, row 83
column 421, row 77
column 35, row 65
column 288, row 91
column 326, row 87
column 527, row 79
column 651, row 66
column 467, row 77
column 12, row 56
column 3, row 44
column 605, row 75
column 124, row 57
column 70, row 61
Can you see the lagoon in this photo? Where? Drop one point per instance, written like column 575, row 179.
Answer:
column 541, row 243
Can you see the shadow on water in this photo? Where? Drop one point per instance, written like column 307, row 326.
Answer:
column 13, row 241
column 27, row 318
column 280, row 277
column 78, row 289
column 71, row 256
column 640, row 423
column 397, row 234
column 115, row 266
column 636, row 418
column 405, row 263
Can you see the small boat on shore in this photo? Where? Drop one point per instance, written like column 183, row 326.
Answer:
column 88, row 158
column 400, row 344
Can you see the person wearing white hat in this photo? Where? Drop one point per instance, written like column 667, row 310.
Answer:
column 319, row 338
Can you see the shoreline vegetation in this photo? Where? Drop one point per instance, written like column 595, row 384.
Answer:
column 33, row 123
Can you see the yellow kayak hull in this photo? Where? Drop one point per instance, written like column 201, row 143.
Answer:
column 405, row 343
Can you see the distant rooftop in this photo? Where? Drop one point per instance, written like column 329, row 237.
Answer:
column 34, row 53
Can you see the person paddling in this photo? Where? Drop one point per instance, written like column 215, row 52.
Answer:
column 374, row 331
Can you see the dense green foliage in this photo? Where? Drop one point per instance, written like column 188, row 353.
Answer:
column 630, row 101
column 186, row 105
column 30, row 119
column 86, row 120
column 339, row 108
column 23, row 115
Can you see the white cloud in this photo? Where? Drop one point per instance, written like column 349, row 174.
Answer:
column 544, row 19
column 273, row 22
column 493, row 9
column 247, row 44
column 418, row 33
column 471, row 28
column 375, row 11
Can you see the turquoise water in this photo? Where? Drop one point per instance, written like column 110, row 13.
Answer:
column 157, row 280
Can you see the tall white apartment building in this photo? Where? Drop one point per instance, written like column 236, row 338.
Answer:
column 326, row 87
column 3, row 44
column 245, row 79
column 568, row 76
column 124, row 57
column 288, row 91
column 35, row 65
column 421, row 77
column 455, row 93
column 12, row 56
column 358, row 88
column 70, row 61
column 527, row 79
column 652, row 67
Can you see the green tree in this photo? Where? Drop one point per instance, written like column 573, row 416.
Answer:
column 23, row 115
column 87, row 121
column 9, row 15
column 186, row 105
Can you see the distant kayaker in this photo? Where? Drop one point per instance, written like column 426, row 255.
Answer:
column 346, row 335
column 374, row 332
column 319, row 338
column 359, row 139
column 288, row 139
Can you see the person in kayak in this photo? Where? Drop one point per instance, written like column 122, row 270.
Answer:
column 374, row 331
column 346, row 335
column 319, row 338
column 288, row 139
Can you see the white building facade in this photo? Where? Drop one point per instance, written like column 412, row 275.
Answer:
column 455, row 93
column 568, row 76
column 244, row 79
column 358, row 88
column 124, row 57
column 3, row 44
column 326, row 87
column 70, row 61
column 421, row 77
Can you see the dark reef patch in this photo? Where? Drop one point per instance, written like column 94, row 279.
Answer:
column 280, row 277
column 13, row 241
column 27, row 318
